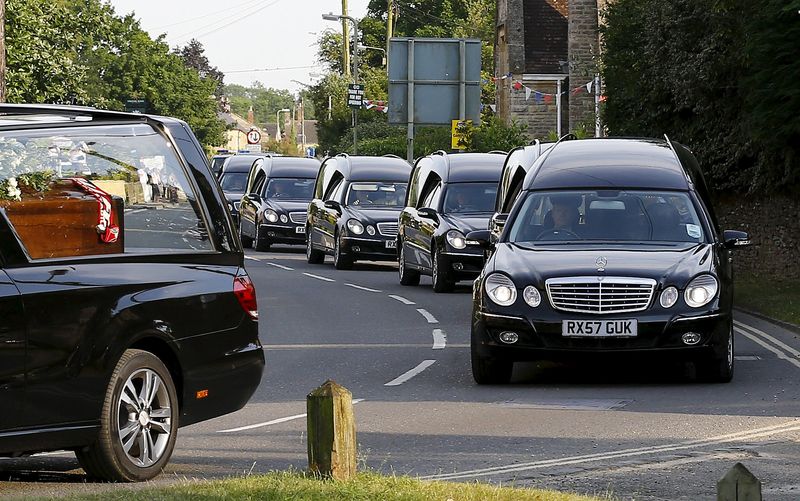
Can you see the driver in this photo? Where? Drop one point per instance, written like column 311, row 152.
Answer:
column 564, row 215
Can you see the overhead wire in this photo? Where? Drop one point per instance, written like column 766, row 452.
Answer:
column 203, row 16
column 214, row 30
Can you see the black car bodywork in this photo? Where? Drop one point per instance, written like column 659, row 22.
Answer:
column 277, row 196
column 69, row 323
column 354, row 211
column 233, row 180
column 449, row 196
column 643, row 244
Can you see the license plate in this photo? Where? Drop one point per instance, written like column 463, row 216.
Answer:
column 300, row 229
column 599, row 328
column 391, row 244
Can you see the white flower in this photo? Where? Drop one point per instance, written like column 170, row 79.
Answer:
column 12, row 182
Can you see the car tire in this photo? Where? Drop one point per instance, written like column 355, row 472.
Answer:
column 719, row 369
column 441, row 279
column 138, row 427
column 341, row 261
column 260, row 243
column 407, row 275
column 313, row 256
column 246, row 241
column 490, row 370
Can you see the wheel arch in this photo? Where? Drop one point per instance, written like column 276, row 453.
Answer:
column 161, row 349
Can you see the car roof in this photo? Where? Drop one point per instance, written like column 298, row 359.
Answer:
column 467, row 167
column 370, row 168
column 291, row 167
column 239, row 163
column 15, row 115
column 609, row 163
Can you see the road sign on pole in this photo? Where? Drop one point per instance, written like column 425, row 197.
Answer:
column 459, row 134
column 253, row 137
column 355, row 95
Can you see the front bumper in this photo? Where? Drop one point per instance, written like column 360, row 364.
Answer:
column 463, row 265
column 283, row 233
column 376, row 248
column 658, row 334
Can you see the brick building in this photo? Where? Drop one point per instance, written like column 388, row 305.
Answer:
column 545, row 50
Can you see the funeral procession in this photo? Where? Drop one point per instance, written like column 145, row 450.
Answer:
column 400, row 250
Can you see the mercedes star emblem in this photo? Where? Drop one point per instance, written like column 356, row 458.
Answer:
column 601, row 263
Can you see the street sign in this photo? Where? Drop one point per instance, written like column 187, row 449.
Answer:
column 254, row 137
column 136, row 105
column 458, row 134
column 254, row 148
column 355, row 95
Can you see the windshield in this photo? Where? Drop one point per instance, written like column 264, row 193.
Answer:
column 290, row 188
column 216, row 164
column 233, row 181
column 377, row 194
column 606, row 215
column 470, row 197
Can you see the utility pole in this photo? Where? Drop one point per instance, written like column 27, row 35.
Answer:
column 345, row 40
column 389, row 27
column 2, row 51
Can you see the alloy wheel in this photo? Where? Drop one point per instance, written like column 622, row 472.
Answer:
column 144, row 418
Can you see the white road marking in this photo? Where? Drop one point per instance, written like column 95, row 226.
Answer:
column 362, row 288
column 276, row 265
column 775, row 341
column 251, row 258
column 425, row 313
column 413, row 372
column 134, row 211
column 787, row 427
column 747, row 358
column 274, row 421
column 781, row 355
column 326, row 279
column 439, row 339
column 401, row 299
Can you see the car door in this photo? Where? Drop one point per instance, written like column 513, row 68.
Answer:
column 251, row 203
column 423, row 235
column 13, row 348
column 329, row 217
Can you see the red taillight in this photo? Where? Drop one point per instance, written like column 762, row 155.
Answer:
column 246, row 294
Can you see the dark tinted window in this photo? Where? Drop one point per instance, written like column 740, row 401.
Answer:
column 470, row 197
column 290, row 188
column 233, row 181
column 377, row 194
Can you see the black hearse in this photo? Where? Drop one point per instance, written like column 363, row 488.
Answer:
column 120, row 322
column 354, row 212
column 517, row 164
column 277, row 195
column 612, row 247
column 449, row 196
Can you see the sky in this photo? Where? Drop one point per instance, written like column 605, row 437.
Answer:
column 243, row 36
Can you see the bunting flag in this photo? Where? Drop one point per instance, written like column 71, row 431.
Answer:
column 548, row 98
column 518, row 85
column 527, row 93
column 544, row 97
column 381, row 106
column 589, row 86
column 538, row 97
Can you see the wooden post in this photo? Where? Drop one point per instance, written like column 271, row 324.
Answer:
column 739, row 485
column 2, row 51
column 331, row 432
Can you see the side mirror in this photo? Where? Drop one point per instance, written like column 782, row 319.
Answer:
column 480, row 238
column 333, row 204
column 498, row 221
column 428, row 213
column 255, row 197
column 733, row 239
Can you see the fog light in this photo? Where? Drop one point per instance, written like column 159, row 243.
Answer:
column 691, row 338
column 509, row 337
column 458, row 266
column 270, row 233
column 356, row 248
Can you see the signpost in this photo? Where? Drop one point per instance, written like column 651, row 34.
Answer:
column 355, row 95
column 433, row 81
column 458, row 135
column 136, row 105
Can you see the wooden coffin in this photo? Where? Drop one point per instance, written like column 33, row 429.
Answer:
column 63, row 223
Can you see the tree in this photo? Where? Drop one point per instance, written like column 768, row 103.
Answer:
column 193, row 55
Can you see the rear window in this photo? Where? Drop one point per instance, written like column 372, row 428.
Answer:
column 77, row 191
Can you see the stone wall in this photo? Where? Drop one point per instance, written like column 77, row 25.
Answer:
column 584, row 41
column 774, row 228
column 542, row 118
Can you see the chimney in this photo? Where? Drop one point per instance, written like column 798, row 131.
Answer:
column 250, row 116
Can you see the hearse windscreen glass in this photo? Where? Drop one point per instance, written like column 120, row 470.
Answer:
column 285, row 188
column 647, row 217
column 470, row 197
column 377, row 194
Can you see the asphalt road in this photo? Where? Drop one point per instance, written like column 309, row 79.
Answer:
column 638, row 431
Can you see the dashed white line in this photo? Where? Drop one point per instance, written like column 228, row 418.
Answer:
column 413, row 372
column 425, row 313
column 361, row 287
column 326, row 279
column 276, row 265
column 401, row 299
column 274, row 421
column 439, row 339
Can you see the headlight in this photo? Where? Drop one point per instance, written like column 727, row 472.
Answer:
column 371, row 230
column 456, row 239
column 271, row 216
column 284, row 219
column 355, row 226
column 500, row 289
column 701, row 291
column 531, row 296
column 668, row 297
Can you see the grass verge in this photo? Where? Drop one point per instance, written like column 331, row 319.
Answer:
column 366, row 486
column 775, row 298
